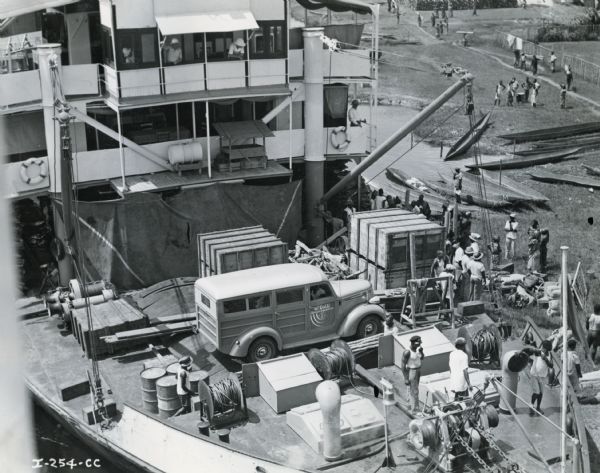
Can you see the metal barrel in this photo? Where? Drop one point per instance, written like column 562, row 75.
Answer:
column 172, row 368
column 168, row 400
column 149, row 378
column 195, row 377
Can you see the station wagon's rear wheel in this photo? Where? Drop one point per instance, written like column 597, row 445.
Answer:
column 262, row 349
column 369, row 326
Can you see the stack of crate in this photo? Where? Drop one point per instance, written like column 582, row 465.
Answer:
column 380, row 246
column 108, row 318
column 241, row 248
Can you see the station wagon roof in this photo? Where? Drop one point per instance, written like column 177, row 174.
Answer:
column 257, row 280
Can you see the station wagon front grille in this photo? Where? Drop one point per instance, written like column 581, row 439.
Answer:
column 207, row 326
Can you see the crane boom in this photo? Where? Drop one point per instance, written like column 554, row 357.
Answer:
column 388, row 144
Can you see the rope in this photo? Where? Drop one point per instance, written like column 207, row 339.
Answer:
column 225, row 395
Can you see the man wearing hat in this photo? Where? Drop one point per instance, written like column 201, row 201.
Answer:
column 474, row 237
column 458, row 362
column 237, row 49
column 447, row 290
column 353, row 117
column 173, row 53
column 411, row 369
column 477, row 277
column 464, row 282
column 510, row 228
column 438, row 265
column 183, row 385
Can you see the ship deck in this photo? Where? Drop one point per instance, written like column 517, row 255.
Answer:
column 54, row 357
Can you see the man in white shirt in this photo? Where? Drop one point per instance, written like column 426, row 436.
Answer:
column 237, row 49
column 353, row 116
column 474, row 237
column 173, row 53
column 593, row 325
column 411, row 369
column 459, row 370
column 510, row 228
column 447, row 291
column 477, row 272
column 183, row 385
column 539, row 375
column 380, row 200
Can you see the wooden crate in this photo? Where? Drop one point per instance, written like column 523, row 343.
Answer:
column 435, row 345
column 251, row 256
column 203, row 240
column 357, row 217
column 233, row 242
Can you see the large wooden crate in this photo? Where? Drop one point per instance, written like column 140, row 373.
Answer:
column 251, row 256
column 357, row 217
column 229, row 243
column 204, row 238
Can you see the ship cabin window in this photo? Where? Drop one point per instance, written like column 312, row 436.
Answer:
column 226, row 46
column 335, row 105
column 137, row 48
column 183, row 49
column 269, row 41
column 108, row 57
column 234, row 305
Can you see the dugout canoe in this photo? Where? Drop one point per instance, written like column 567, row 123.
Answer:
column 466, row 141
column 554, row 178
column 503, row 189
column 527, row 161
column 552, row 133
column 446, row 189
column 591, row 170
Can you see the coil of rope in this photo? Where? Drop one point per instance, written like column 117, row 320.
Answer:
column 335, row 363
column 484, row 344
column 225, row 395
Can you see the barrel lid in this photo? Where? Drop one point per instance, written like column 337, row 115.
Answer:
column 153, row 373
column 173, row 367
column 167, row 381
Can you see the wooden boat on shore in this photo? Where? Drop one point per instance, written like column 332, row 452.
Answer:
column 554, row 178
column 527, row 161
column 469, row 194
column 507, row 189
column 591, row 170
column 468, row 139
column 551, row 133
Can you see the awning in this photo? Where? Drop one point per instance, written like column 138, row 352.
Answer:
column 10, row 8
column 356, row 6
column 215, row 22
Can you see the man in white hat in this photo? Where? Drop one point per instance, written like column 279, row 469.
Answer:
column 173, row 52
column 464, row 282
column 183, row 384
column 458, row 362
column 477, row 272
column 510, row 228
column 474, row 237
column 447, row 290
column 237, row 49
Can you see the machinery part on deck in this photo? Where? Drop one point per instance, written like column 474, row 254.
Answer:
column 513, row 362
column 262, row 349
column 87, row 290
column 41, row 174
column 472, row 452
column 339, row 138
column 492, row 415
column 335, row 363
column 422, row 433
column 223, row 403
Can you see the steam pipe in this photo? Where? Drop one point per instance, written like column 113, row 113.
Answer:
column 388, row 144
column 513, row 362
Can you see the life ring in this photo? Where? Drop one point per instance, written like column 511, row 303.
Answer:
column 337, row 141
column 42, row 171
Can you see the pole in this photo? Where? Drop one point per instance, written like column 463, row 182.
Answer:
column 388, row 144
column 565, row 378
column 375, row 10
column 208, row 156
column 121, row 152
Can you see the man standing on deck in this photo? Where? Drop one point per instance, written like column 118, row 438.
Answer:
column 511, row 236
column 411, row 369
column 458, row 362
column 477, row 280
column 183, row 385
column 539, row 375
column 593, row 326
column 457, row 178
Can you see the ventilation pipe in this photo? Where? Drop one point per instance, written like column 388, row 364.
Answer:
column 330, row 400
column 513, row 362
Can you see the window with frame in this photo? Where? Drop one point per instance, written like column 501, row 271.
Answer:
column 259, row 302
column 137, row 48
column 108, row 57
column 234, row 305
column 219, row 46
column 335, row 105
column 320, row 291
column 290, row 296
column 205, row 300
column 269, row 41
column 183, row 49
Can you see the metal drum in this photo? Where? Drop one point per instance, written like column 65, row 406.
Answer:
column 172, row 368
column 149, row 378
column 168, row 400
column 194, row 377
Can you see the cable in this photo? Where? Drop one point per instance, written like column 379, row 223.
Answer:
column 225, row 395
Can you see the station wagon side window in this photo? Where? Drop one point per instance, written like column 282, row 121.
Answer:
column 205, row 300
column 259, row 302
column 290, row 296
column 234, row 305
column 320, row 291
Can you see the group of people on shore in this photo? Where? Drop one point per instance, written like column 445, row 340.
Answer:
column 517, row 92
column 381, row 201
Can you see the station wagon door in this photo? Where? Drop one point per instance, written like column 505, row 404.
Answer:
column 322, row 309
column 290, row 314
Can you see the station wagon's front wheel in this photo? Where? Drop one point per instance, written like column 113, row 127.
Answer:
column 369, row 326
column 262, row 349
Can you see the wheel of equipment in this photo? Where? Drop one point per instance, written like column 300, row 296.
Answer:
column 422, row 433
column 370, row 325
column 262, row 349
column 33, row 171
column 492, row 415
column 339, row 138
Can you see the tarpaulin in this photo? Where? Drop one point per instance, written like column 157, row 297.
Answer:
column 356, row 6
column 147, row 238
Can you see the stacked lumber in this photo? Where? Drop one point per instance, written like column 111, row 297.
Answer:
column 131, row 337
column 109, row 318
